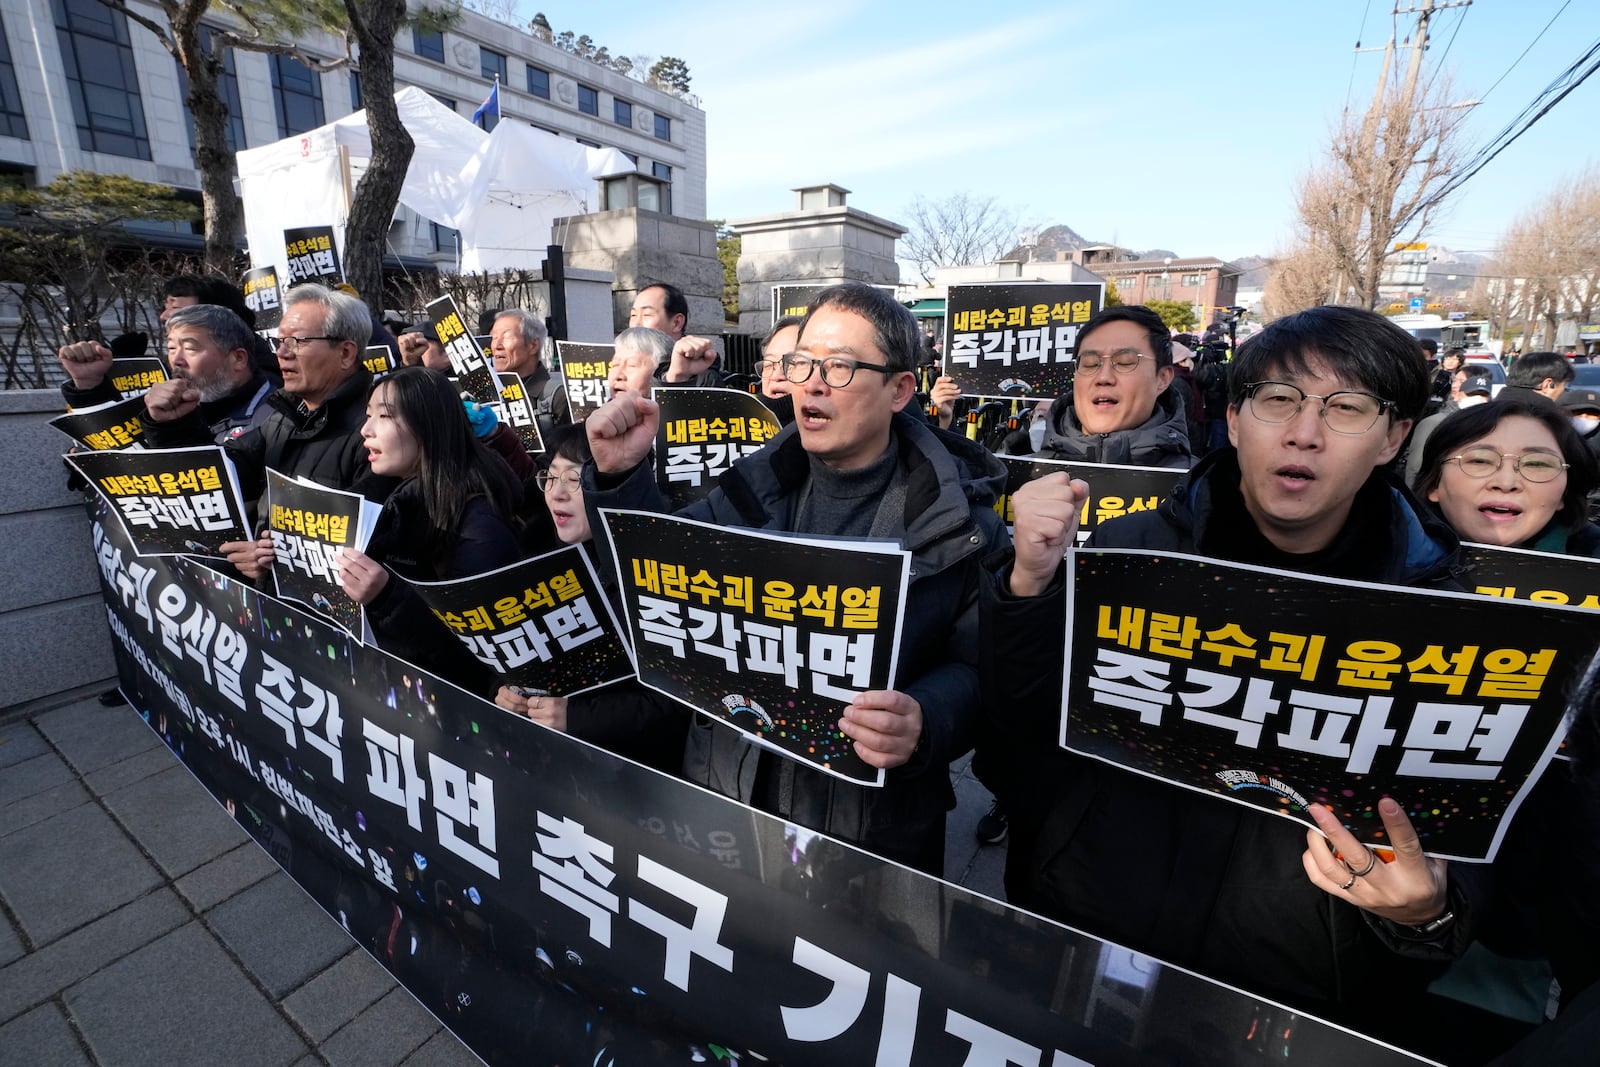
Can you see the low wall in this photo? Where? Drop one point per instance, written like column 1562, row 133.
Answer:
column 53, row 636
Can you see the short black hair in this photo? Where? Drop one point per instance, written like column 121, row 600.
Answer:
column 1429, row 345
column 1352, row 343
column 1530, row 369
column 898, row 336
column 1471, row 424
column 673, row 301
column 1139, row 315
column 782, row 324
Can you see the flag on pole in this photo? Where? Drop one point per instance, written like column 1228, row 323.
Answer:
column 490, row 105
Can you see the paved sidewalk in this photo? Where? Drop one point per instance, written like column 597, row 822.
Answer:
column 140, row 926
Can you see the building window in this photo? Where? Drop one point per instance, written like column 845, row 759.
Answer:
column 539, row 82
column 586, row 141
column 445, row 100
column 664, row 172
column 632, row 158
column 428, row 45
column 296, row 96
column 1130, row 282
column 588, row 100
column 13, row 123
column 101, row 78
column 355, row 90
column 227, row 89
column 1193, row 281
column 622, row 112
column 663, row 128
column 444, row 238
column 492, row 63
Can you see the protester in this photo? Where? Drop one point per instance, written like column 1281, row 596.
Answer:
column 1320, row 401
column 1472, row 389
column 187, row 290
column 208, row 348
column 1545, row 373
column 1122, row 408
column 853, row 464
column 624, row 717
column 449, row 517
column 779, row 342
column 517, row 340
column 693, row 363
column 637, row 353
column 1513, row 473
column 314, row 428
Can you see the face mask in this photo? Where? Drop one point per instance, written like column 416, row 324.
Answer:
column 1585, row 426
column 1036, row 432
column 1472, row 401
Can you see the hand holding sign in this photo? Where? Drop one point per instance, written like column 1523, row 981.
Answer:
column 171, row 400
column 361, row 576
column 546, row 710
column 250, row 558
column 1409, row 891
column 690, row 356
column 944, row 396
column 885, row 725
column 1046, row 525
column 622, row 432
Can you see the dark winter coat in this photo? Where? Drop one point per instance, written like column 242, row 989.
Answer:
column 949, row 525
column 1162, row 440
column 400, row 620
column 1196, row 881
column 228, row 417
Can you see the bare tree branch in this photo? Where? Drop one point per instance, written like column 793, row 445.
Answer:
column 957, row 230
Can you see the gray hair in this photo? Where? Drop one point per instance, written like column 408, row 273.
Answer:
column 347, row 319
column 531, row 325
column 649, row 341
column 228, row 331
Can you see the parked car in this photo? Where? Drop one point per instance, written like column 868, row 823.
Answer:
column 1588, row 376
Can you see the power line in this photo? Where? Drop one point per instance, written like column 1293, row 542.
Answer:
column 1360, row 30
column 1525, row 51
column 1561, row 87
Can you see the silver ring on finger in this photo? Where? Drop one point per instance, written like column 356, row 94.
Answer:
column 1372, row 862
column 1350, row 883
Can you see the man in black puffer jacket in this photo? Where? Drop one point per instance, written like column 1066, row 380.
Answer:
column 1195, row 880
column 852, row 464
column 1123, row 407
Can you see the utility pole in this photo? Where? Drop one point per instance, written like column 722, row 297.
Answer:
column 1375, row 113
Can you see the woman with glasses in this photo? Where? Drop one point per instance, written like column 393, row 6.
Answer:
column 623, row 717
column 450, row 517
column 1514, row 473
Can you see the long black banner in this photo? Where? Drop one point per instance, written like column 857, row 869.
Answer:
column 553, row 903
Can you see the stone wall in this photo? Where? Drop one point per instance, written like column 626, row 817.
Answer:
column 641, row 247
column 813, row 247
column 53, row 636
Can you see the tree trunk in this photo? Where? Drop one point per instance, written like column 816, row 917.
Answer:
column 222, row 213
column 372, row 209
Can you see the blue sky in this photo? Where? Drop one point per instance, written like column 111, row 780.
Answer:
column 1157, row 124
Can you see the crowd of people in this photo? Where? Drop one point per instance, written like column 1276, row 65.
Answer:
column 1325, row 445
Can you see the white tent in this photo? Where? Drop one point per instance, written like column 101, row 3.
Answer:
column 504, row 188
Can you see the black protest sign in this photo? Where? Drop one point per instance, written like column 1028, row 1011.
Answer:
column 793, row 299
column 516, row 411
column 543, row 623
column 176, row 501
column 471, row 368
column 584, row 368
column 134, row 375
column 106, row 427
column 1114, row 491
column 1542, row 577
column 312, row 255
column 771, row 634
column 262, row 296
column 1280, row 690
column 1018, row 339
column 615, row 909
column 309, row 524
column 702, row 433
column 379, row 360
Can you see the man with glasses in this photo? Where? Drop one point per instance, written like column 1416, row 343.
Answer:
column 1318, row 403
column 852, row 464
column 314, row 428
column 1122, row 408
